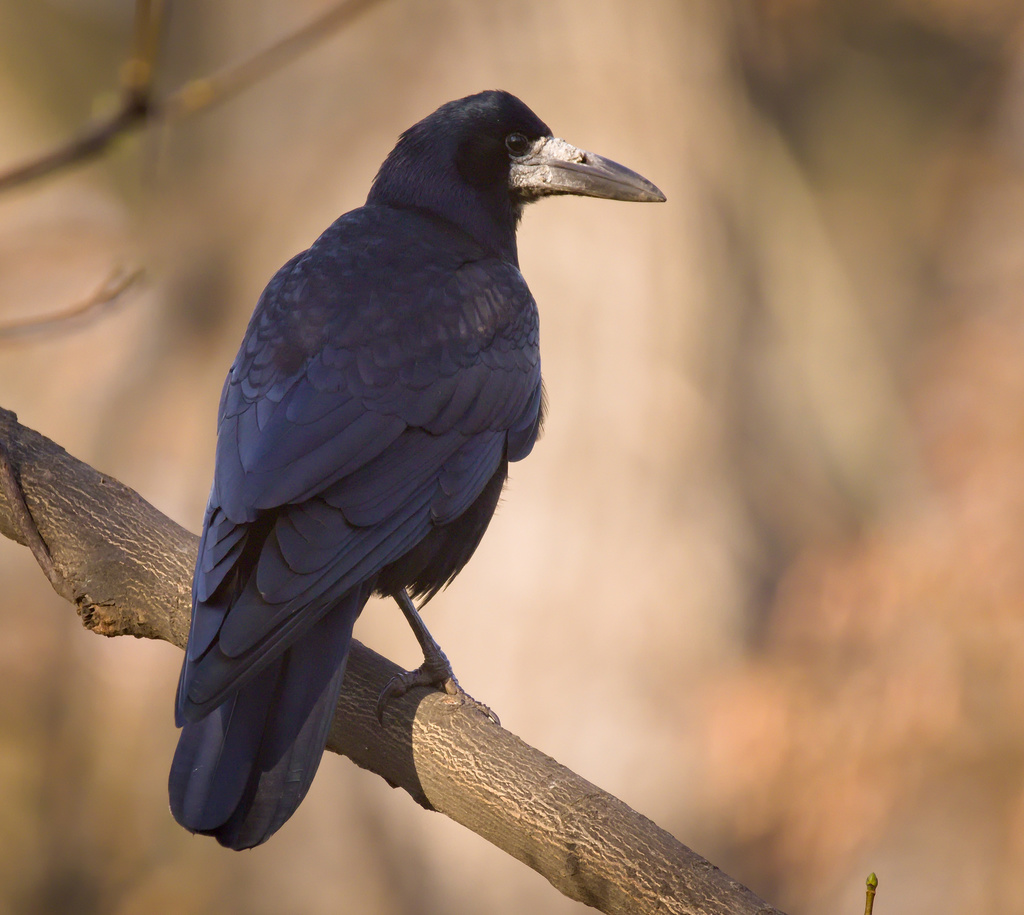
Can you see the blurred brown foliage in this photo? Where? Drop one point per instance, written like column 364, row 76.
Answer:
column 763, row 576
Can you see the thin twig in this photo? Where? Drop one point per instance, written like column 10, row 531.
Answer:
column 106, row 294
column 869, row 902
column 137, row 72
column 135, row 106
column 138, row 107
column 93, row 141
column 206, row 91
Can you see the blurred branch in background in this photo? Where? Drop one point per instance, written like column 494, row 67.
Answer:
column 108, row 293
column 138, row 107
column 135, row 106
column 128, row 569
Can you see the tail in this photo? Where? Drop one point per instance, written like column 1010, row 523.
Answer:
column 239, row 773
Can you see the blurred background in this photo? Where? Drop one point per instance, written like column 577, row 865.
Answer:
column 763, row 578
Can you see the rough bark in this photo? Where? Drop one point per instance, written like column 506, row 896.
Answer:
column 128, row 569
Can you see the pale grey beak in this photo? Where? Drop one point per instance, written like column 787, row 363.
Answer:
column 553, row 166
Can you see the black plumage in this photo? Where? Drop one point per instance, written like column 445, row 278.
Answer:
column 388, row 376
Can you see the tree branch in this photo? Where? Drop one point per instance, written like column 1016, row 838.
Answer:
column 113, row 287
column 128, row 569
column 138, row 106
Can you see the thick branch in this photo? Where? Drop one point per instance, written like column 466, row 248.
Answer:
column 129, row 568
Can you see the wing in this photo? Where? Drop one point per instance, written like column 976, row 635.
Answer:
column 373, row 397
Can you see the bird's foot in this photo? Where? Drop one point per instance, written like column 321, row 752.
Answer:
column 434, row 672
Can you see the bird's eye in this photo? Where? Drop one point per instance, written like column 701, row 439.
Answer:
column 517, row 144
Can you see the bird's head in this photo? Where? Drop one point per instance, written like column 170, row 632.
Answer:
column 478, row 160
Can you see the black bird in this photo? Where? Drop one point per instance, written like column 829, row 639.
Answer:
column 387, row 377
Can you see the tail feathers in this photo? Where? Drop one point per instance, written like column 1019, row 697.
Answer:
column 239, row 773
column 213, row 764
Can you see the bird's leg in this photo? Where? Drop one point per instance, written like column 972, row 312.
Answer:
column 436, row 670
